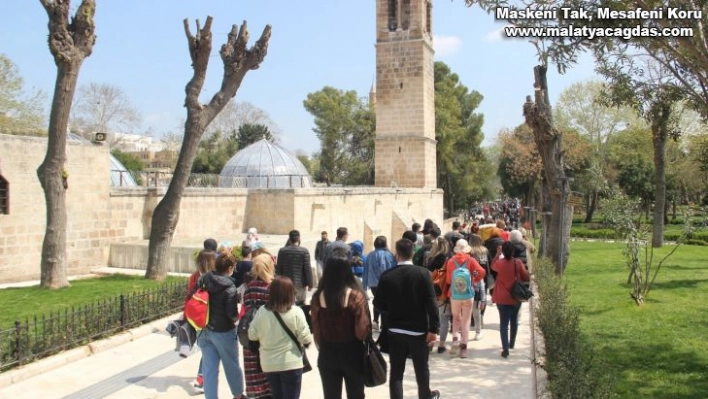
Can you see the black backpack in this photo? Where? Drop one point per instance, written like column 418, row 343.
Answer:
column 244, row 324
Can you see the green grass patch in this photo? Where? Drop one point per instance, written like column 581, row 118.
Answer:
column 27, row 302
column 658, row 350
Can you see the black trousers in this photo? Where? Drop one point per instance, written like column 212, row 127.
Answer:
column 342, row 362
column 400, row 346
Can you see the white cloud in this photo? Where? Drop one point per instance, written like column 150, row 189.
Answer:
column 495, row 35
column 446, row 45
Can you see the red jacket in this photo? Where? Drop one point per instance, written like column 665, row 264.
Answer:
column 192, row 280
column 505, row 279
column 472, row 266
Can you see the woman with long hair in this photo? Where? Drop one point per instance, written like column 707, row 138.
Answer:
column 481, row 255
column 281, row 358
column 438, row 256
column 508, row 269
column 341, row 322
column 255, row 296
column 206, row 262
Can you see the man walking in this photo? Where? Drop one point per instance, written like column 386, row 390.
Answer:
column 319, row 253
column 339, row 247
column 405, row 293
column 294, row 263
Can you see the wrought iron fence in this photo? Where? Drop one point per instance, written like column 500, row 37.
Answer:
column 48, row 334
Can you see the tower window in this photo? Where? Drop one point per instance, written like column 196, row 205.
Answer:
column 429, row 16
column 406, row 14
column 392, row 15
column 4, row 196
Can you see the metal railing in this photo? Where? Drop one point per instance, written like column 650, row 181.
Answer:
column 48, row 334
column 162, row 179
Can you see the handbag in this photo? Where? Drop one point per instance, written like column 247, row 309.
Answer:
column 306, row 366
column 374, row 364
column 520, row 291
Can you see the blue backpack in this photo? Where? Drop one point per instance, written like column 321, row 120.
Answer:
column 461, row 284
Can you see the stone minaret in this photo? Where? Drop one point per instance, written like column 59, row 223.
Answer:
column 405, row 104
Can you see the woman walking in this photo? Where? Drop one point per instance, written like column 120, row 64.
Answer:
column 508, row 269
column 341, row 321
column 255, row 296
column 218, row 340
column 272, row 326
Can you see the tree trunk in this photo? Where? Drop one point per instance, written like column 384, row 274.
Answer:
column 450, row 200
column 659, row 127
column 70, row 44
column 237, row 60
column 592, row 205
column 538, row 116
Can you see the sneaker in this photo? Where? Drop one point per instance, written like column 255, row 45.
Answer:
column 505, row 353
column 198, row 384
column 375, row 326
column 442, row 349
column 435, row 394
column 463, row 353
column 478, row 336
column 455, row 350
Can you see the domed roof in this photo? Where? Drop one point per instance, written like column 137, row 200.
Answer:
column 264, row 165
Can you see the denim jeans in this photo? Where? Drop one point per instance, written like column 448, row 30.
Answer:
column 285, row 384
column 445, row 314
column 220, row 347
column 400, row 346
column 508, row 317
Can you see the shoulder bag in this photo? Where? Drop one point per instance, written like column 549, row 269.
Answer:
column 374, row 363
column 520, row 291
column 306, row 366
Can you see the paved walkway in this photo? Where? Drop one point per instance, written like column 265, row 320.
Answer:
column 148, row 367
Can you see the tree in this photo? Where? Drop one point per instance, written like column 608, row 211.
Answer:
column 20, row 113
column 345, row 125
column 458, row 130
column 104, row 108
column 579, row 108
column 238, row 113
column 130, row 160
column 70, row 42
column 214, row 152
column 237, row 60
column 249, row 133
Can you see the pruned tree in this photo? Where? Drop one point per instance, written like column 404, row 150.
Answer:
column 238, row 59
column 104, row 108
column 70, row 42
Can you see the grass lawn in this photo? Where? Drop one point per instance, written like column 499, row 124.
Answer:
column 21, row 303
column 659, row 350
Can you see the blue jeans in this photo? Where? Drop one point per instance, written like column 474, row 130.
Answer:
column 285, row 384
column 508, row 316
column 216, row 347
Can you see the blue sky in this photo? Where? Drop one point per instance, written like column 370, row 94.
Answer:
column 141, row 48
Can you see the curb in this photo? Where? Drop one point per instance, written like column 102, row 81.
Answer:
column 54, row 362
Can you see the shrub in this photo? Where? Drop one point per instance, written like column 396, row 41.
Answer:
column 574, row 371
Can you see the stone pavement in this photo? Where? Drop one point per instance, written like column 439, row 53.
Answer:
column 143, row 364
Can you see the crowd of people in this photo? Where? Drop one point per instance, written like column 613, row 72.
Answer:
column 432, row 285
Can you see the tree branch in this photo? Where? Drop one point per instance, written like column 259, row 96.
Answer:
column 70, row 42
column 199, row 51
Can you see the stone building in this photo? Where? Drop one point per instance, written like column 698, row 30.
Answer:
column 110, row 225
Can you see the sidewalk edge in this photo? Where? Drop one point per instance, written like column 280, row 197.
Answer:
column 61, row 359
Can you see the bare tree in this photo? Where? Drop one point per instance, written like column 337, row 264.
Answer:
column 104, row 108
column 70, row 42
column 235, row 114
column 237, row 60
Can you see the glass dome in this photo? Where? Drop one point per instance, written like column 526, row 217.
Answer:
column 264, row 165
column 120, row 177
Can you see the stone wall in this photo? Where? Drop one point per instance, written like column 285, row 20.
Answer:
column 90, row 227
column 106, row 222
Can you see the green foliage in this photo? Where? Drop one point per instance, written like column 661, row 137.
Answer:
column 345, row 125
column 574, row 369
column 250, row 133
column 20, row 112
column 463, row 169
column 214, row 151
column 131, row 161
column 655, row 351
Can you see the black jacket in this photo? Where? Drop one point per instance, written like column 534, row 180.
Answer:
column 222, row 301
column 294, row 262
column 520, row 252
column 491, row 244
column 406, row 293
